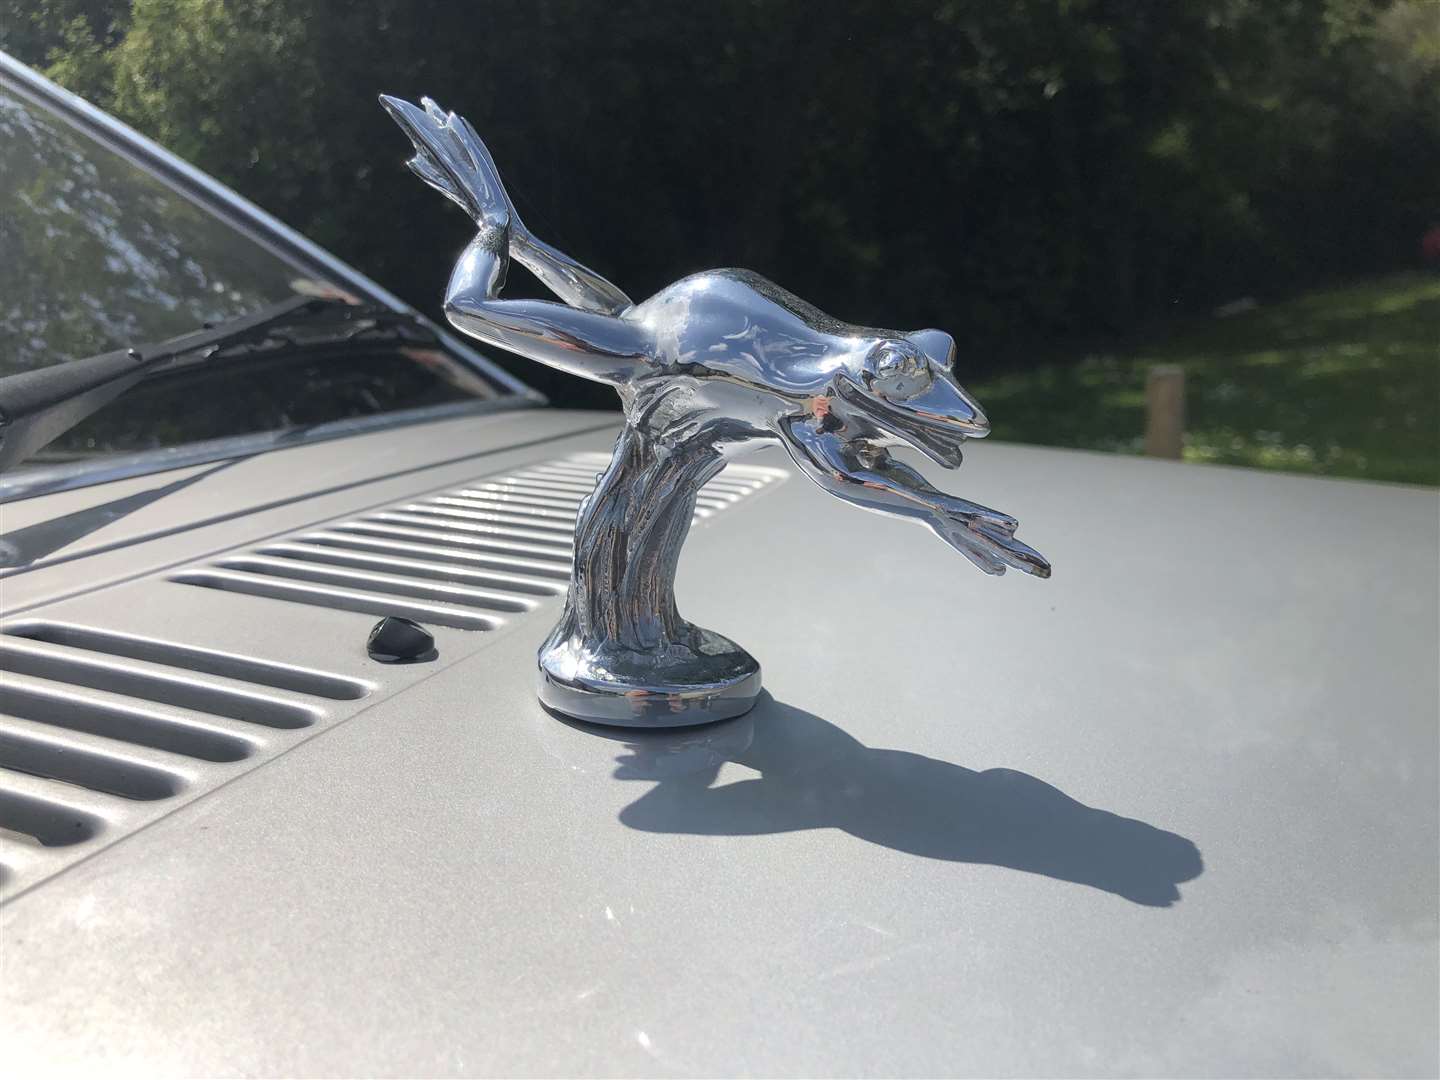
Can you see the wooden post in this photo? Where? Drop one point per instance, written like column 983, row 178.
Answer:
column 1165, row 411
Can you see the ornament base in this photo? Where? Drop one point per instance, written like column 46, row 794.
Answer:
column 715, row 679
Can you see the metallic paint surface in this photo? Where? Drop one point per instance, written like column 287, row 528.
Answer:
column 1197, row 839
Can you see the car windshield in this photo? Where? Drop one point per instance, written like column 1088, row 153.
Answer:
column 97, row 254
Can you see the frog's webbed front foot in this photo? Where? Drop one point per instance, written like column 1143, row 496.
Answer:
column 865, row 475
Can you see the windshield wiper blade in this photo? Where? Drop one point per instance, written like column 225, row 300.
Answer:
column 37, row 407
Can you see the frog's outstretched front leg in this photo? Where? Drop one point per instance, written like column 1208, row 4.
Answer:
column 586, row 338
column 867, row 476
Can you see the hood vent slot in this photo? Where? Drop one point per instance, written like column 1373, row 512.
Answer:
column 389, row 581
column 57, row 707
column 30, row 821
column 99, row 730
column 559, row 531
column 205, row 661
column 507, row 552
column 365, row 602
column 418, row 568
column 69, row 761
column 555, row 574
column 542, row 541
column 98, row 672
column 474, row 558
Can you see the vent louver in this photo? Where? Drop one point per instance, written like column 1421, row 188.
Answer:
column 205, row 661
column 97, row 728
column 473, row 558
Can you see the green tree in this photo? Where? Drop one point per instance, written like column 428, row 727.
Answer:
column 1013, row 172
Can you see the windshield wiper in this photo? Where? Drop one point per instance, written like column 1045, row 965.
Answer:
column 37, row 407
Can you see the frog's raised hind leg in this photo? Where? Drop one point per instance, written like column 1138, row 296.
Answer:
column 584, row 336
column 600, row 347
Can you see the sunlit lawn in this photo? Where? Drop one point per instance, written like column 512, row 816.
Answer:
column 1342, row 382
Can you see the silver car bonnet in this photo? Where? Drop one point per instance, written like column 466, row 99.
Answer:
column 1173, row 812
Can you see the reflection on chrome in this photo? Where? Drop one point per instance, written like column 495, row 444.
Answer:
column 714, row 365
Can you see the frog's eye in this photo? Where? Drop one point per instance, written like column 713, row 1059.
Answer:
column 898, row 374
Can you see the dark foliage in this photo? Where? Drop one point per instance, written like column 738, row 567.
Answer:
column 1014, row 172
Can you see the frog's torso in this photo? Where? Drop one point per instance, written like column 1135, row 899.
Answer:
column 732, row 354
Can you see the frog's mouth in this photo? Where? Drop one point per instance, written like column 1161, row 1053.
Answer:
column 935, row 422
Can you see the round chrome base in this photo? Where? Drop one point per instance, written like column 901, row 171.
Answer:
column 716, row 680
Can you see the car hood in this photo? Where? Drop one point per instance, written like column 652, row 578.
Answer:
column 1171, row 812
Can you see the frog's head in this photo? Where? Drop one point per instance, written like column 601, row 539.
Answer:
column 905, row 386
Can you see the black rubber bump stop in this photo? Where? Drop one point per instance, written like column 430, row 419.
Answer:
column 395, row 640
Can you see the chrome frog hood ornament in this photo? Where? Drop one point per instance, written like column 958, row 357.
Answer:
column 714, row 365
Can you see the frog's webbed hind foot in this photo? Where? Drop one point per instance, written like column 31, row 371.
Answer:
column 451, row 158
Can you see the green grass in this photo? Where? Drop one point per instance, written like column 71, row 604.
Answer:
column 1340, row 382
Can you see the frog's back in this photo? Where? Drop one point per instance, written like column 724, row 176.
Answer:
column 740, row 323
